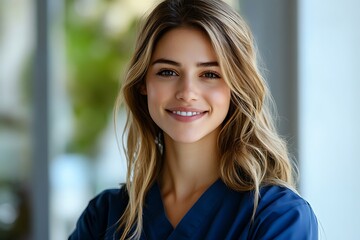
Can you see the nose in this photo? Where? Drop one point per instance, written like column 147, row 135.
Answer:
column 187, row 89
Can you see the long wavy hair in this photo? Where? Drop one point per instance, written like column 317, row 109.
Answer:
column 252, row 153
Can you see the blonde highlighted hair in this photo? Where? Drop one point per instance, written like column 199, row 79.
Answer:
column 252, row 153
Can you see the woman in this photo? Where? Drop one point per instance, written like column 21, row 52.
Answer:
column 204, row 159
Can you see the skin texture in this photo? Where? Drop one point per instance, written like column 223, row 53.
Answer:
column 185, row 85
column 184, row 78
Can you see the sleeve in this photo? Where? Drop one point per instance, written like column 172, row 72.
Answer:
column 285, row 216
column 100, row 217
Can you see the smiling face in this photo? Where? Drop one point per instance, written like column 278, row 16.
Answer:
column 187, row 96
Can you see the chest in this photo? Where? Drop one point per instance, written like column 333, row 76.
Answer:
column 216, row 214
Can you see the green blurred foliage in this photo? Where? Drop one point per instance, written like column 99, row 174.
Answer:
column 96, row 62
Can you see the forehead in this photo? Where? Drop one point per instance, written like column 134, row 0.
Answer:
column 185, row 42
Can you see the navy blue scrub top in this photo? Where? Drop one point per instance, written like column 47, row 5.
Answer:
column 220, row 213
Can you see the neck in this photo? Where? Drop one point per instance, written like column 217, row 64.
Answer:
column 189, row 167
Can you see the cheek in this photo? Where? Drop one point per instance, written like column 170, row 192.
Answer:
column 153, row 100
column 155, row 92
column 221, row 97
column 158, row 95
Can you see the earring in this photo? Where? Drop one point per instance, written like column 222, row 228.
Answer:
column 159, row 142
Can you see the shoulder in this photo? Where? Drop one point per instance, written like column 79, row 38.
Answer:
column 283, row 214
column 280, row 198
column 109, row 204
column 110, row 198
column 101, row 215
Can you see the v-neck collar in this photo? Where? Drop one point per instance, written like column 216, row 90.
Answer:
column 157, row 225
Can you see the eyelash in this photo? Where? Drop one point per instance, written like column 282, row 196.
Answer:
column 171, row 73
column 214, row 74
column 167, row 73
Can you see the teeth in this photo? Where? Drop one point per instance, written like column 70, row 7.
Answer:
column 186, row 114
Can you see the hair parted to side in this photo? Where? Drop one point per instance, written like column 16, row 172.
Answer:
column 252, row 153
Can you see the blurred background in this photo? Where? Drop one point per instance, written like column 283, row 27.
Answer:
column 60, row 66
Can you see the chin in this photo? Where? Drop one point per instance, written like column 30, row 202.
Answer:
column 185, row 139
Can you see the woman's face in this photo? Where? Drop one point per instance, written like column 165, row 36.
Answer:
column 187, row 96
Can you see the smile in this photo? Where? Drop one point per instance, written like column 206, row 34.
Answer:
column 186, row 114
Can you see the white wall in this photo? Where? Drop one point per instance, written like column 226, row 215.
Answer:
column 329, row 113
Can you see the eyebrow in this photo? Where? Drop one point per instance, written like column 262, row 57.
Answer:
column 171, row 62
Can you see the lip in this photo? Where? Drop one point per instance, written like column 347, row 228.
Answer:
column 173, row 113
column 185, row 109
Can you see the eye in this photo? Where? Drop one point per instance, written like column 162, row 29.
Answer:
column 167, row 73
column 211, row 74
